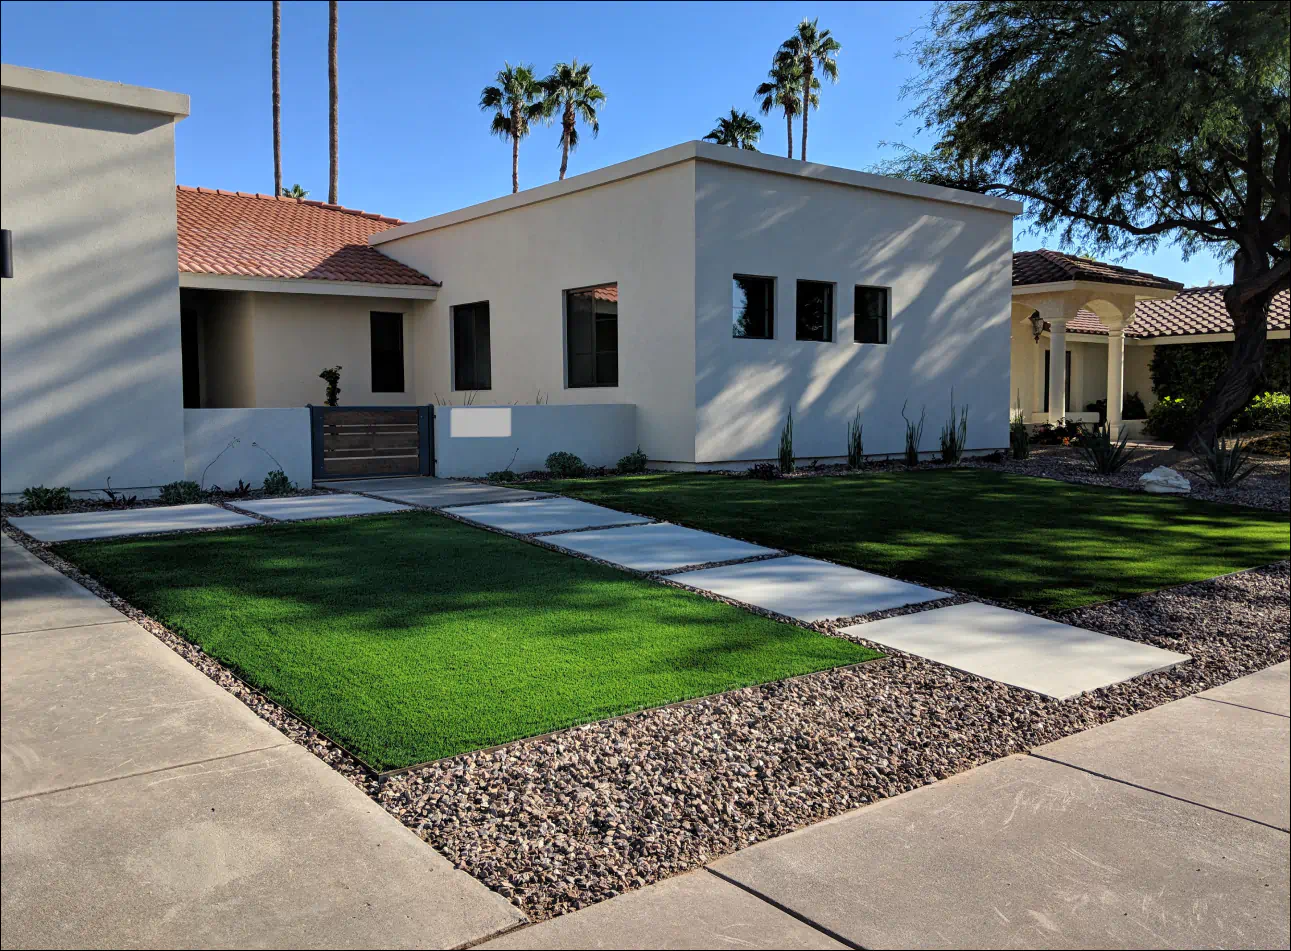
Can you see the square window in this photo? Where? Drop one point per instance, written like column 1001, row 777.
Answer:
column 752, row 307
column 472, row 365
column 592, row 336
column 387, row 352
column 815, row 311
column 872, row 314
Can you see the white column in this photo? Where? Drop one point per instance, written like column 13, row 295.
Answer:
column 1115, row 378
column 1057, row 368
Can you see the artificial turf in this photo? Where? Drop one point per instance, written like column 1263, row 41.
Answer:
column 1037, row 543
column 411, row 637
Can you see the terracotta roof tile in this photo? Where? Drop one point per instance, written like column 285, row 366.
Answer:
column 1047, row 267
column 252, row 235
column 1195, row 310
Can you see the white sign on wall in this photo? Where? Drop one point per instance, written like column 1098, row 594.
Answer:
column 480, row 422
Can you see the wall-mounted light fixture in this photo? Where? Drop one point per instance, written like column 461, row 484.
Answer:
column 6, row 252
column 1037, row 325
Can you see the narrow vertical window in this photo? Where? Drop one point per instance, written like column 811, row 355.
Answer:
column 752, row 307
column 872, row 305
column 472, row 363
column 387, row 352
column 815, row 311
column 592, row 336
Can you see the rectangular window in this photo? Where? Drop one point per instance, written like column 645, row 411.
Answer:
column 472, row 368
column 872, row 314
column 815, row 311
column 592, row 336
column 387, row 352
column 752, row 307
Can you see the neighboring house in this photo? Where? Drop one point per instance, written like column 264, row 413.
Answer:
column 1108, row 321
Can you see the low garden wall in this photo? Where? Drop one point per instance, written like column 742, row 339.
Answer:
column 262, row 436
column 477, row 440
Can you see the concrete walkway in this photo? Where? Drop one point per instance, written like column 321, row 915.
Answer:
column 1166, row 829
column 144, row 806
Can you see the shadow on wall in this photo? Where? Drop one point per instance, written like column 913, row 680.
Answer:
column 91, row 375
column 949, row 324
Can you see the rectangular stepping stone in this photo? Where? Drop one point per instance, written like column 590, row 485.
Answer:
column 545, row 515
column 435, row 493
column 1018, row 649
column 807, row 589
column 304, row 507
column 75, row 526
column 658, row 547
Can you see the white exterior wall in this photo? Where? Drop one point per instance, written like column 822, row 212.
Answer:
column 90, row 352
column 637, row 232
column 477, row 440
column 949, row 270
column 283, row 433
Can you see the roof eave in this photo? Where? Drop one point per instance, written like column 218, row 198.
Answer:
column 304, row 285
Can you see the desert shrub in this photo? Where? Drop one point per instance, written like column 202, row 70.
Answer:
column 277, row 483
column 633, row 462
column 502, row 475
column 332, row 376
column 764, row 470
column 38, row 498
column 1170, row 419
column 565, row 465
column 1224, row 465
column 1104, row 456
column 1048, row 434
column 855, row 442
column 1188, row 371
column 954, row 433
column 183, row 492
column 1019, row 436
column 785, row 455
column 1272, row 444
column 913, row 436
column 1269, row 411
column 1132, row 407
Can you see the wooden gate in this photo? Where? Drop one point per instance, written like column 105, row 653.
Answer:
column 356, row 441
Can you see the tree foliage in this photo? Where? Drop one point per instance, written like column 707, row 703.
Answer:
column 738, row 130
column 516, row 101
column 569, row 91
column 813, row 50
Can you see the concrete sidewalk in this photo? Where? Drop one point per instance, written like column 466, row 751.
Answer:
column 1165, row 829
column 144, row 806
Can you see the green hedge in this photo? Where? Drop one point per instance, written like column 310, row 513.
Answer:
column 1188, row 370
column 1171, row 417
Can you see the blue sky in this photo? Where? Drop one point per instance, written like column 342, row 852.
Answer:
column 413, row 141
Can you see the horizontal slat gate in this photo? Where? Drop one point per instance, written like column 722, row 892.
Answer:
column 370, row 441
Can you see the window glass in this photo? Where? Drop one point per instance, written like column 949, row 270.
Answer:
column 752, row 307
column 472, row 368
column 387, row 352
column 871, row 315
column 815, row 311
column 592, row 336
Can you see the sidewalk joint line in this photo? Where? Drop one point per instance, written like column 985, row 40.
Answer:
column 1242, row 706
column 798, row 916
column 1158, row 792
column 147, row 772
column 66, row 627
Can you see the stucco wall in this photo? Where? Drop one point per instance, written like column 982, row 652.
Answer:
column 477, row 440
column 90, row 372
column 1138, row 378
column 260, row 433
column 228, row 357
column 949, row 270
column 637, row 232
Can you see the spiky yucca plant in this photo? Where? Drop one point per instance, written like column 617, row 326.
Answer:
column 1104, row 456
column 1224, row 465
column 855, row 442
column 954, row 434
column 913, row 435
column 786, row 445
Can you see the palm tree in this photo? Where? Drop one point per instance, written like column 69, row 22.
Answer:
column 738, row 130
column 333, row 124
column 813, row 48
column 570, row 92
column 783, row 90
column 295, row 191
column 277, row 97
column 515, row 101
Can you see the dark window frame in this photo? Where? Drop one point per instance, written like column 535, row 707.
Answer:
column 829, row 322
column 380, row 377
column 596, row 352
column 885, row 325
column 770, row 310
column 476, row 379
column 1066, row 383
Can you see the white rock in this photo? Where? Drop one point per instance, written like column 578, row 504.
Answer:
column 1164, row 481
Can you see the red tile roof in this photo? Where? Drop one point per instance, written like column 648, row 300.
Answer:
column 1049, row 267
column 241, row 234
column 1195, row 310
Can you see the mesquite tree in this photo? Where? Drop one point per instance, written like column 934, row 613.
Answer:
column 1124, row 124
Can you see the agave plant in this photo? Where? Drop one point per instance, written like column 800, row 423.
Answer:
column 1103, row 455
column 1224, row 465
column 855, row 442
column 786, row 445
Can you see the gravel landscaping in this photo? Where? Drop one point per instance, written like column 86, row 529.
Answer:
column 563, row 821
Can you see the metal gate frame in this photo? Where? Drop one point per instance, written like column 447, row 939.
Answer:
column 424, row 464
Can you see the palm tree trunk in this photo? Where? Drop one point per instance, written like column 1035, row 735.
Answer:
column 806, row 106
column 277, row 98
column 788, row 123
column 515, row 152
column 332, row 197
column 566, row 125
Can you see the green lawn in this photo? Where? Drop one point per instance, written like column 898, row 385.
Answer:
column 411, row 637
column 1038, row 543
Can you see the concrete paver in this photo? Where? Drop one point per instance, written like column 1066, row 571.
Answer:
column 1027, row 853
column 303, row 507
column 1215, row 754
column 554, row 514
column 807, row 589
column 434, row 493
column 265, row 849
column 142, row 521
column 1269, row 690
column 658, row 546
column 1054, row 659
column 35, row 597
